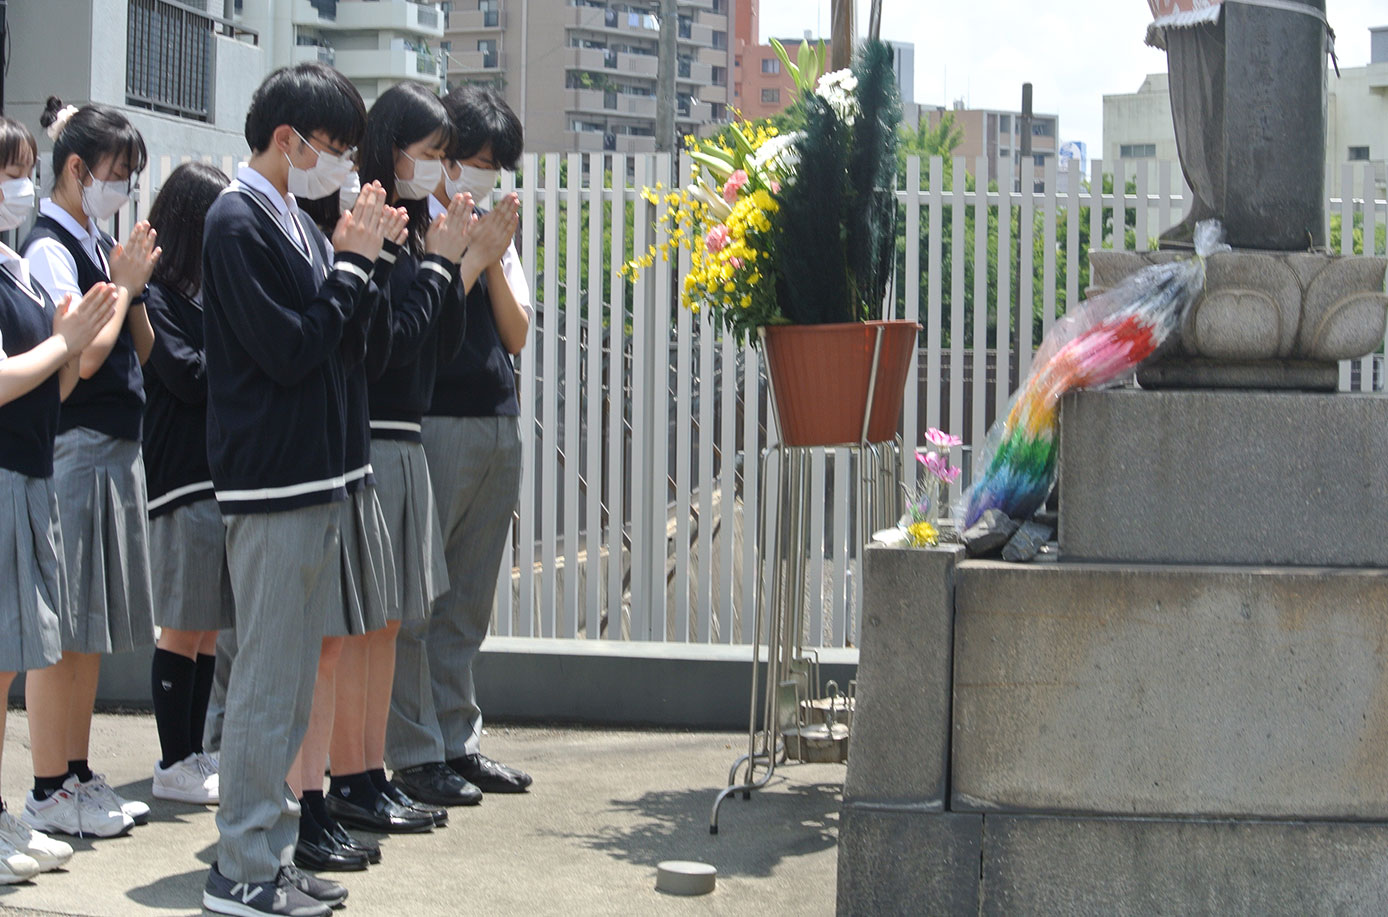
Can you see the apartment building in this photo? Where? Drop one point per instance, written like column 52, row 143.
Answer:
column 1138, row 125
column 582, row 73
column 762, row 88
column 996, row 135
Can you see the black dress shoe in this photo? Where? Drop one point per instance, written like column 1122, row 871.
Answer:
column 381, row 813
column 325, row 854
column 490, row 776
column 370, row 849
column 437, row 784
column 438, row 813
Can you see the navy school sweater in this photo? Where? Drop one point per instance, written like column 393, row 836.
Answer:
column 112, row 401
column 426, row 321
column 479, row 380
column 29, row 422
column 274, row 319
column 175, row 429
column 365, row 344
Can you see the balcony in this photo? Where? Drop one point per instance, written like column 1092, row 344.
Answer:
column 477, row 21
column 388, row 63
column 695, row 72
column 475, row 62
column 590, row 59
column 1378, row 76
column 637, row 64
column 595, row 142
column 374, row 16
column 320, row 53
column 633, row 24
column 716, row 21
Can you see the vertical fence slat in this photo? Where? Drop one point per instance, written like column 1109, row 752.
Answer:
column 573, row 391
column 616, row 406
column 957, row 295
column 525, row 612
column 1048, row 314
column 979, row 384
column 751, row 485
column 727, row 458
column 686, row 324
column 1026, row 276
column 549, row 416
column 910, row 433
column 708, row 393
column 839, row 601
column 814, row 588
column 659, row 431
column 593, row 470
column 1370, row 207
column 1003, row 306
column 935, row 302
column 1346, row 244
column 1164, row 220
column 1074, row 257
column 1120, row 207
column 503, row 612
column 1144, row 228
column 641, row 395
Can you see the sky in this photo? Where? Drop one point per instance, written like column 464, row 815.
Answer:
column 1073, row 52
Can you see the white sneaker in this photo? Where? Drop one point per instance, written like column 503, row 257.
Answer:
column 99, row 789
column 46, row 851
column 192, row 780
column 15, row 866
column 72, row 810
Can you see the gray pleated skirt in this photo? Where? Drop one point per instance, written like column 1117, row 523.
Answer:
column 34, row 600
column 188, row 562
column 102, row 505
column 412, row 525
column 368, row 572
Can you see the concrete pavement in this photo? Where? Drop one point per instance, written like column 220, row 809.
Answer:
column 605, row 808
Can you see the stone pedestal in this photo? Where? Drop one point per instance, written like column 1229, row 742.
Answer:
column 1266, row 319
column 1224, row 477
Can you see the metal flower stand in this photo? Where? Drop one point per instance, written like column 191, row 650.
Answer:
column 800, row 718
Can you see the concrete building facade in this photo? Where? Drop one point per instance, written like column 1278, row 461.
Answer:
column 1138, row 126
column 761, row 87
column 995, row 134
column 582, row 73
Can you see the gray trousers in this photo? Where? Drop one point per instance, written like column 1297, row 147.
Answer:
column 285, row 575
column 475, row 465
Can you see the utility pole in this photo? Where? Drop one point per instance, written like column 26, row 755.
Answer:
column 667, row 62
column 4, row 44
column 841, row 50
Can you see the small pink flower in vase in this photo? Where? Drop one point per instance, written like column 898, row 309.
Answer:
column 733, row 185
column 942, row 473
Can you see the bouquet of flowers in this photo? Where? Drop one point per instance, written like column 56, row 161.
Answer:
column 793, row 228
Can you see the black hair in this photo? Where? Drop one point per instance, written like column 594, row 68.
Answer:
column 177, row 216
column 94, row 132
column 481, row 116
column 15, row 141
column 308, row 97
column 405, row 113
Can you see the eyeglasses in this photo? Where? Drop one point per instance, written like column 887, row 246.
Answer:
column 349, row 153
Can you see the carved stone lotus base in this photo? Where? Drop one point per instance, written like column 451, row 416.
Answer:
column 1266, row 319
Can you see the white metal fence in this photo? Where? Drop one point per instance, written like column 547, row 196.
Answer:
column 646, row 421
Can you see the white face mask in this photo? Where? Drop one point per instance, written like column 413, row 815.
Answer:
column 347, row 194
column 325, row 177
column 101, row 199
column 18, row 202
column 472, row 180
column 427, row 174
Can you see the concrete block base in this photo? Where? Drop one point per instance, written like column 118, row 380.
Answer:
column 894, row 861
column 1224, row 477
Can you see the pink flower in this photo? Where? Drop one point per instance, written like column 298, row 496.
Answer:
column 717, row 238
column 736, row 263
column 733, row 185
column 937, row 437
column 939, row 467
column 775, row 186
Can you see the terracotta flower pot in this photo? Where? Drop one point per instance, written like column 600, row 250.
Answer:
column 820, row 375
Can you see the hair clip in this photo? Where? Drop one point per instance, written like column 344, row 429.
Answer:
column 60, row 121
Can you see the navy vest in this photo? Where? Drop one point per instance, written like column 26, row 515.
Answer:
column 29, row 422
column 113, row 400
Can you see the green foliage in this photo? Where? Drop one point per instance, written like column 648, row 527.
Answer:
column 870, row 219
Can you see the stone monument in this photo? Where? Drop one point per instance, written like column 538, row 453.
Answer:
column 1187, row 711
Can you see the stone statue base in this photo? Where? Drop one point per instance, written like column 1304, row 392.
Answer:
column 1277, row 320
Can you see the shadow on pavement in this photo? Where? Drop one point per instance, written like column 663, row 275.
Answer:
column 791, row 820
column 181, row 892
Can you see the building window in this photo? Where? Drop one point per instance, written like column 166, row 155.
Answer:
column 169, row 59
column 1039, row 159
column 488, row 48
column 771, row 96
column 1358, row 154
column 1043, row 129
column 1005, row 124
column 771, row 65
column 720, row 76
column 719, row 111
column 490, row 14
column 1137, row 151
column 720, row 41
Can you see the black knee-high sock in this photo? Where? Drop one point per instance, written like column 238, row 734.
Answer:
column 312, row 801
column 171, row 683
column 309, row 828
column 202, row 694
